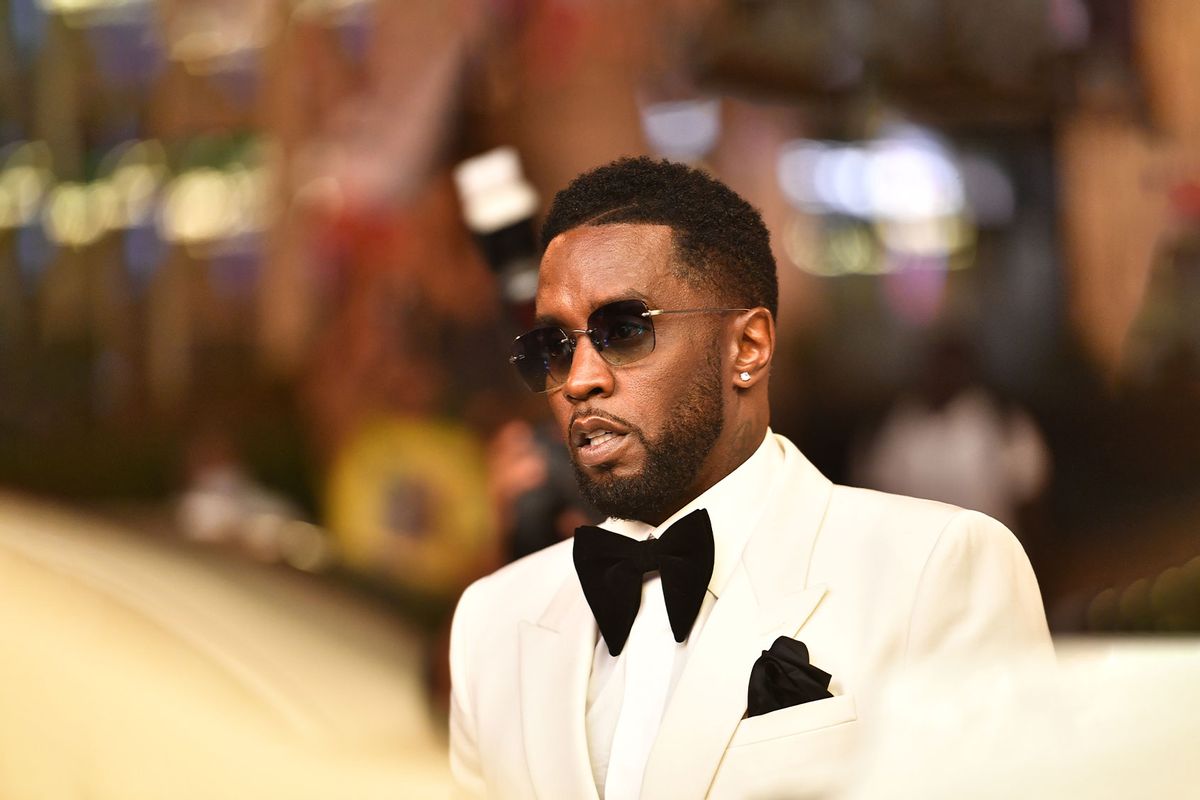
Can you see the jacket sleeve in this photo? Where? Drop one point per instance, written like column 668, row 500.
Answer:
column 977, row 596
column 464, row 748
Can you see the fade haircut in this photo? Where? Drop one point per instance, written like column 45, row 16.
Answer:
column 720, row 241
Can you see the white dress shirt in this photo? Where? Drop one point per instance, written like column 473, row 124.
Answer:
column 628, row 694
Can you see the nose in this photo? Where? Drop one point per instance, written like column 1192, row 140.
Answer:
column 590, row 375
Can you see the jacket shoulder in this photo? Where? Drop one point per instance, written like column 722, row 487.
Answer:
column 548, row 563
column 876, row 518
column 519, row 590
column 907, row 520
column 907, row 530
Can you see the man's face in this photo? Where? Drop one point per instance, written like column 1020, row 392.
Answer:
column 639, row 435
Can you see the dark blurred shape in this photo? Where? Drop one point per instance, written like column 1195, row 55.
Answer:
column 1167, row 603
column 534, row 488
column 1162, row 351
column 952, row 61
column 538, row 502
column 498, row 206
column 797, row 46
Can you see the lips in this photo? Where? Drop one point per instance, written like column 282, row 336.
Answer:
column 597, row 440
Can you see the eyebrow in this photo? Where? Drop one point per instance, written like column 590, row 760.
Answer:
column 549, row 320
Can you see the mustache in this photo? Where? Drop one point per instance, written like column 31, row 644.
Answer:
column 595, row 412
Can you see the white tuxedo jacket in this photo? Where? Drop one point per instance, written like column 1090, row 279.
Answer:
column 868, row 581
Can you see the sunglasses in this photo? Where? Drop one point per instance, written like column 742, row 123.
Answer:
column 622, row 333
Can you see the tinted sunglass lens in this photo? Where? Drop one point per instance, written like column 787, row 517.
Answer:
column 622, row 332
column 542, row 357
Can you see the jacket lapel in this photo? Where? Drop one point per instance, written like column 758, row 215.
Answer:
column 555, row 663
column 767, row 596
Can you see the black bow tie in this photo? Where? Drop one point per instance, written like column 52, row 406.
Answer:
column 611, row 566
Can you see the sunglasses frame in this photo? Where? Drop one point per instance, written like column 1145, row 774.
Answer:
column 571, row 336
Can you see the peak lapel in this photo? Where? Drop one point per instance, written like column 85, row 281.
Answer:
column 766, row 596
column 555, row 663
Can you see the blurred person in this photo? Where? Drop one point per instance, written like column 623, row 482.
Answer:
column 222, row 503
column 532, row 490
column 1159, row 379
column 952, row 440
column 724, row 631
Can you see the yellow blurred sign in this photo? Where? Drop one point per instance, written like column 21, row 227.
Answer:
column 407, row 499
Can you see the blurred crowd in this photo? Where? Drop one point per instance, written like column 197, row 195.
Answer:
column 256, row 281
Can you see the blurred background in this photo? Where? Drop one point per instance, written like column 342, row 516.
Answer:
column 260, row 261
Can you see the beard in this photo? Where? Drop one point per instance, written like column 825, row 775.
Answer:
column 673, row 458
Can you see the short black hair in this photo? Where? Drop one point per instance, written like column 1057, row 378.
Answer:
column 721, row 243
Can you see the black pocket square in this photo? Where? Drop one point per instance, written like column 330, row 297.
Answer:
column 782, row 677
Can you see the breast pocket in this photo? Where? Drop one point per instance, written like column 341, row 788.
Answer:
column 802, row 751
column 795, row 720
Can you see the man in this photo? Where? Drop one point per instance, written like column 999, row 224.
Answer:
column 630, row 661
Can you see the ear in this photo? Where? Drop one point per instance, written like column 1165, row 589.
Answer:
column 753, row 346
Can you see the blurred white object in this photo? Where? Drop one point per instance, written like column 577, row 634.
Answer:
column 970, row 453
column 141, row 667
column 684, row 130
column 1120, row 718
column 909, row 175
column 493, row 191
column 222, row 503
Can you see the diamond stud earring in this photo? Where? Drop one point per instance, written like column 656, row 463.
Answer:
column 745, row 376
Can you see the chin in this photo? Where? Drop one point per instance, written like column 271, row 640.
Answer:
column 626, row 494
